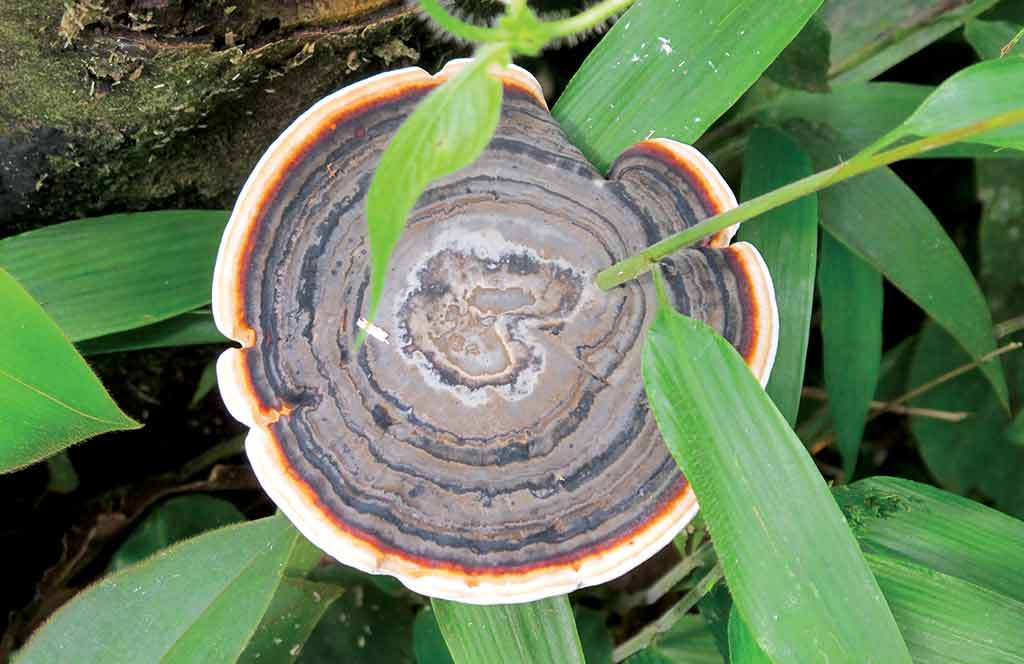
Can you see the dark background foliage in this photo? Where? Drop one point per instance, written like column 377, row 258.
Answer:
column 63, row 524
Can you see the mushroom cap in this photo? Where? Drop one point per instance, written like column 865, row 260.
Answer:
column 491, row 442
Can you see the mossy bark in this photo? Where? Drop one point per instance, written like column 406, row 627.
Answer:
column 113, row 105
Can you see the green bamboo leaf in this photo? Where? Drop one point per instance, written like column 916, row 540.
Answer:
column 949, row 568
column 594, row 637
column 864, row 111
column 928, row 545
column 794, row 569
column 428, row 641
column 296, row 609
column 689, row 641
column 447, row 131
column 107, row 274
column 882, row 221
column 937, row 529
column 787, row 238
column 946, row 619
column 851, row 332
column 172, row 521
column 715, row 607
column 972, row 95
column 743, row 649
column 804, row 64
column 51, row 398
column 1001, row 236
column 672, row 70
column 894, row 369
column 943, row 562
column 972, row 457
column 1011, row 11
column 199, row 600
column 541, row 631
column 988, row 38
column 207, row 381
column 366, row 625
column 192, row 328
column 1014, row 431
column 869, row 37
column 63, row 476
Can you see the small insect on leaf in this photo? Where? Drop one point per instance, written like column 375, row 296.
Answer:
column 446, row 132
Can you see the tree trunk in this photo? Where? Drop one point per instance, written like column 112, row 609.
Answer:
column 113, row 105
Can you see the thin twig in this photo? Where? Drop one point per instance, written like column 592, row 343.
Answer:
column 704, row 554
column 646, row 636
column 897, row 403
column 819, row 394
column 219, row 452
column 953, row 373
column 104, row 520
column 823, row 443
column 1008, row 327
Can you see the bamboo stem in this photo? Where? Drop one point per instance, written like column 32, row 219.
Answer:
column 638, row 264
column 664, row 623
column 703, row 555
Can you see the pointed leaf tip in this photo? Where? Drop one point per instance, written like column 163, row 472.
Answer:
column 51, row 398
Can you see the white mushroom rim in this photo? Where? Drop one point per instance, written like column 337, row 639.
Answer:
column 295, row 498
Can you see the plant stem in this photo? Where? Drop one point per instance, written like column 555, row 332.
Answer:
column 1008, row 327
column 1005, row 50
column 702, row 556
column 640, row 263
column 818, row 394
column 896, row 404
column 545, row 30
column 950, row 375
column 585, row 19
column 458, row 27
column 646, row 636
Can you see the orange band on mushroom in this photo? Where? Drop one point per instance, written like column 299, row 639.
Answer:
column 491, row 442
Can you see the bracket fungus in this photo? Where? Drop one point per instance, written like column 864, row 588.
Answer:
column 491, row 442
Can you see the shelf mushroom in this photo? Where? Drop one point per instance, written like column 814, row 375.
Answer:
column 491, row 441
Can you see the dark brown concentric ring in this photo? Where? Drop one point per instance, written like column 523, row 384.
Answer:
column 492, row 442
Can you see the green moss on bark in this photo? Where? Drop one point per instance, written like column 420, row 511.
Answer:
column 135, row 114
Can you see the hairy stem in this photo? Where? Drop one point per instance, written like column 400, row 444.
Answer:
column 457, row 26
column 586, row 19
